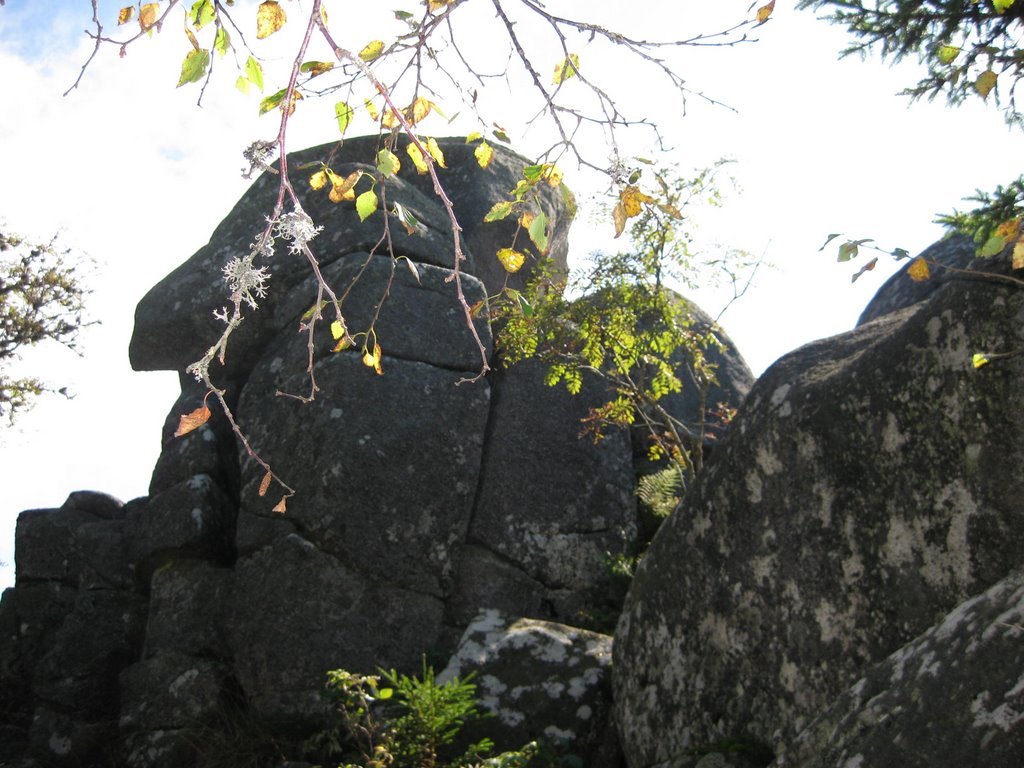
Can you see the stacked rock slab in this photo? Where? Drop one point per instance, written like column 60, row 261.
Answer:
column 869, row 486
column 421, row 500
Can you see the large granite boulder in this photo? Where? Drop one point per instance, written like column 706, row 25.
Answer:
column 952, row 697
column 423, row 494
column 870, row 484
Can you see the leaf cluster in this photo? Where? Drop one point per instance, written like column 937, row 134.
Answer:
column 970, row 47
column 995, row 221
column 41, row 298
column 392, row 719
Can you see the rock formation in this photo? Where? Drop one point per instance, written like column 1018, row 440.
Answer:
column 869, row 486
column 134, row 630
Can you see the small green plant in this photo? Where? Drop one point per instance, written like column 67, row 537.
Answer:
column 395, row 720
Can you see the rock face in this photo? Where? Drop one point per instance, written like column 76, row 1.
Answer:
column 421, row 501
column 952, row 697
column 870, row 485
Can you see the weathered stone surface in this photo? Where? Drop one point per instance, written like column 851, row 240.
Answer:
column 170, row 692
column 187, row 607
column 541, row 681
column 953, row 697
column 551, row 503
column 899, row 291
column 340, row 618
column 870, row 484
column 70, row 546
column 190, row 519
column 385, row 463
column 59, row 739
column 99, row 636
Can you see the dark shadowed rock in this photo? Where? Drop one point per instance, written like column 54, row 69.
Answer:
column 540, row 680
column 870, row 484
column 188, row 605
column 953, row 697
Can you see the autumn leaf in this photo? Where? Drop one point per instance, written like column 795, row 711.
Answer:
column 484, row 154
column 366, row 204
column 553, row 176
column 437, row 5
column 918, row 270
column 435, row 152
column 269, row 18
column 1009, row 229
column 412, row 227
column 1002, row 5
column 411, row 266
column 979, row 359
column 372, row 360
column 125, row 15
column 337, row 330
column 419, row 110
column 632, row 200
column 985, row 83
column 511, row 260
column 318, row 180
column 619, row 218
column 566, row 68
column 866, row 268
column 315, row 68
column 343, row 188
column 192, row 420
column 372, row 50
column 281, row 507
column 474, row 136
column 1018, row 255
column 192, row 38
column 765, row 11
column 193, row 68
column 148, row 15
column 265, row 483
column 371, row 109
column 417, row 158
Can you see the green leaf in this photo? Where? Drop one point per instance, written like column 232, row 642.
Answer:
column 194, row 67
column 1002, row 5
column 202, row 13
column 900, row 253
column 254, row 73
column 539, row 232
column 222, row 42
column 366, row 204
column 499, row 211
column 985, row 83
column 992, row 246
column 242, row 84
column 533, row 172
column 388, row 163
column 272, row 101
column 847, row 250
column 829, row 239
column 947, row 53
column 568, row 67
column 344, row 113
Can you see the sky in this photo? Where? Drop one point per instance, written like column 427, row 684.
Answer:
column 134, row 176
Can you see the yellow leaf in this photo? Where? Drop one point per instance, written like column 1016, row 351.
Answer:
column 372, row 50
column 632, row 200
column 765, row 11
column 343, row 188
column 979, row 359
column 619, row 217
column 193, row 420
column 474, row 136
column 281, row 507
column 269, row 18
column 148, row 14
column 388, row 163
column 985, row 83
column 371, row 108
column 125, row 15
column 511, row 260
column 918, row 271
column 435, row 152
column 553, row 176
column 337, row 329
column 192, row 38
column 419, row 110
column 417, row 158
column 1018, row 255
column 265, row 483
column 484, row 154
column 568, row 67
column 318, row 180
column 391, row 119
column 437, row 5
column 372, row 360
column 525, row 219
